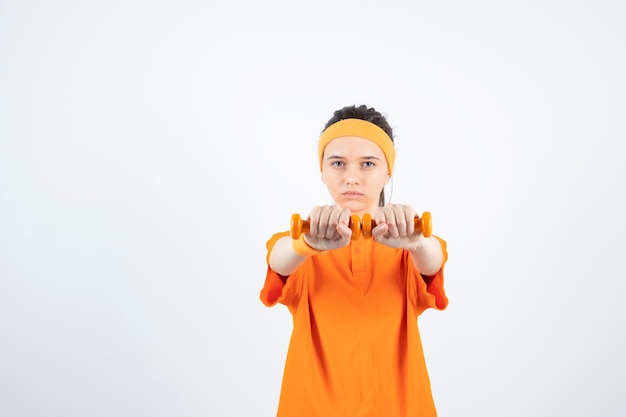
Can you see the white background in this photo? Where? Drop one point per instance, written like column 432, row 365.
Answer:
column 148, row 149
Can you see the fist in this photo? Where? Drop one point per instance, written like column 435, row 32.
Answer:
column 395, row 227
column 329, row 228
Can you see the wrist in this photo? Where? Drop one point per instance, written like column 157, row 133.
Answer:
column 302, row 248
column 417, row 247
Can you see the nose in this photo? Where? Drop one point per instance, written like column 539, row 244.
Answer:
column 353, row 175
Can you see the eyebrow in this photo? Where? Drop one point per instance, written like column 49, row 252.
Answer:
column 362, row 157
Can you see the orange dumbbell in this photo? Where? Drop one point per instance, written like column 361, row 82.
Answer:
column 422, row 224
column 299, row 226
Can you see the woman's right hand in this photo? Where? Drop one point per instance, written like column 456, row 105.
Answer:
column 329, row 228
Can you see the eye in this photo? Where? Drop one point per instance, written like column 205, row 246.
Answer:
column 337, row 164
column 368, row 164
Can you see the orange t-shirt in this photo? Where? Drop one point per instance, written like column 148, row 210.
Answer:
column 355, row 348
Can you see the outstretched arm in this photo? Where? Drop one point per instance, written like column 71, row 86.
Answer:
column 283, row 259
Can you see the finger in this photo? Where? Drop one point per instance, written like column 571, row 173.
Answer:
column 324, row 222
column 333, row 221
column 344, row 219
column 410, row 219
column 344, row 232
column 391, row 222
column 379, row 231
column 400, row 216
column 380, row 216
column 314, row 218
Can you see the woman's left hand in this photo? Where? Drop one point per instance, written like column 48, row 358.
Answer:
column 395, row 227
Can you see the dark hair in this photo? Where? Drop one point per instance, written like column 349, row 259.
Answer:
column 364, row 113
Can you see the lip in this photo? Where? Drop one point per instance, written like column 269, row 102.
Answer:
column 352, row 194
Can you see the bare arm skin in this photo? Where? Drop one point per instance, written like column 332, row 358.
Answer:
column 283, row 259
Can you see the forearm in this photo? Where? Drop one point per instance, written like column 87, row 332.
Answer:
column 428, row 256
column 283, row 259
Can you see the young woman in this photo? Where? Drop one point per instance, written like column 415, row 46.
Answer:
column 355, row 348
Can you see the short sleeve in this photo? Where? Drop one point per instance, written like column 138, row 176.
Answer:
column 428, row 291
column 277, row 288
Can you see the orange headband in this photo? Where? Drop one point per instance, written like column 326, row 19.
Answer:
column 362, row 129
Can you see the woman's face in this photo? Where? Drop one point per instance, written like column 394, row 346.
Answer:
column 355, row 171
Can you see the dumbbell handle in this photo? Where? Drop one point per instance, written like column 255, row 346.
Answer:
column 299, row 226
column 422, row 224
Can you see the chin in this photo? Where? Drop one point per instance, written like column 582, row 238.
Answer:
column 356, row 208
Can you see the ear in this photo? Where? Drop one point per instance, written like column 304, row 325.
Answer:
column 388, row 179
column 322, row 178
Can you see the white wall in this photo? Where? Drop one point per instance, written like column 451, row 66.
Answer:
column 148, row 149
